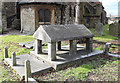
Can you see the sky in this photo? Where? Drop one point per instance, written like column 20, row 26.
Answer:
column 111, row 6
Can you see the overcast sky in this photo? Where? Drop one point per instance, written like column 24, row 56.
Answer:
column 111, row 6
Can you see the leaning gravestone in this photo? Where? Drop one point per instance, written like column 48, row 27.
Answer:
column 99, row 29
column 113, row 28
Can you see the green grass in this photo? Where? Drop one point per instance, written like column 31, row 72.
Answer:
column 16, row 38
column 106, row 26
column 98, row 66
column 99, row 48
column 75, row 73
column 7, row 75
column 80, row 72
column 12, row 43
column 106, row 36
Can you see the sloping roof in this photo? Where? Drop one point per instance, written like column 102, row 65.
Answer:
column 54, row 33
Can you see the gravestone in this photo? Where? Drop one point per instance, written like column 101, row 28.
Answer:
column 99, row 29
column 113, row 28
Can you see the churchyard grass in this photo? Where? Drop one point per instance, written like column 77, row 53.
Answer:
column 97, row 68
column 7, row 74
column 105, row 37
column 12, row 42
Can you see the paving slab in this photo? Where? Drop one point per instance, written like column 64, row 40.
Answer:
column 36, row 65
column 63, row 56
column 114, row 55
column 28, row 44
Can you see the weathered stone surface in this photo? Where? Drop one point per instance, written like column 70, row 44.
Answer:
column 55, row 33
column 13, row 59
column 89, row 44
column 113, row 28
column 107, row 47
column 73, row 47
column 27, row 70
column 114, row 55
column 16, row 24
column 63, row 57
column 28, row 20
column 8, row 14
column 38, row 46
column 52, row 51
column 99, row 28
column 36, row 65
column 6, row 53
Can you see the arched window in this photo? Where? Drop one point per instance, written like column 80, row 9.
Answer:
column 44, row 15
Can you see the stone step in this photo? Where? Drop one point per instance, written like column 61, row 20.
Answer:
column 36, row 65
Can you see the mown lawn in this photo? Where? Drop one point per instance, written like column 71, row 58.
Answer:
column 105, row 37
column 97, row 68
column 12, row 43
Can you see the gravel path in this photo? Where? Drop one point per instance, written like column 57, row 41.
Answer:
column 12, row 32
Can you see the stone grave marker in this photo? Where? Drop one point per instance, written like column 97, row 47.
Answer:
column 113, row 28
column 99, row 29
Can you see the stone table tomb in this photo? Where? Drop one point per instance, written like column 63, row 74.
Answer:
column 53, row 34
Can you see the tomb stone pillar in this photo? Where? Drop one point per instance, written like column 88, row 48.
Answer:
column 52, row 51
column 89, row 42
column 73, row 47
column 38, row 46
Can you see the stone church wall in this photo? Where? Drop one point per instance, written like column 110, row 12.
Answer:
column 28, row 20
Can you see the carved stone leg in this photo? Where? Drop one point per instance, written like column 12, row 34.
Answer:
column 38, row 46
column 73, row 47
column 89, row 42
column 52, row 51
